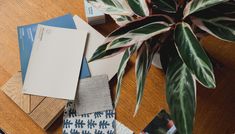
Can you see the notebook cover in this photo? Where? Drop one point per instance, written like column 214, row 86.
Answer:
column 26, row 36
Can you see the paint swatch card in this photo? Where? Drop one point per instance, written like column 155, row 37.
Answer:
column 26, row 36
column 55, row 62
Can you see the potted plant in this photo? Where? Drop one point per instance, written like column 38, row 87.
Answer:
column 171, row 28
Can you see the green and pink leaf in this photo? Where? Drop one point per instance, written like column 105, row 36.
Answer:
column 139, row 35
column 193, row 55
column 101, row 52
column 169, row 6
column 180, row 93
column 221, row 27
column 139, row 7
column 198, row 5
column 121, row 70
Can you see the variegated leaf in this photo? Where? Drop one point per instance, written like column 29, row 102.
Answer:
column 165, row 5
column 137, row 24
column 139, row 35
column 197, row 5
column 121, row 20
column 221, row 27
column 181, row 94
column 143, row 62
column 119, row 42
column 139, row 7
column 112, row 7
column 101, row 52
column 121, row 70
column 193, row 55
column 217, row 11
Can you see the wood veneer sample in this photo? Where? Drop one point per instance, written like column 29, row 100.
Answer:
column 12, row 89
column 43, row 110
column 47, row 111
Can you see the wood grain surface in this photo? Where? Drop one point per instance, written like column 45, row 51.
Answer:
column 35, row 101
column 47, row 112
column 215, row 107
column 43, row 110
column 12, row 88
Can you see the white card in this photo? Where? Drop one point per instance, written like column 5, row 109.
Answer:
column 108, row 66
column 55, row 62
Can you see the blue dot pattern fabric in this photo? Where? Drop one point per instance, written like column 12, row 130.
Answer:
column 102, row 122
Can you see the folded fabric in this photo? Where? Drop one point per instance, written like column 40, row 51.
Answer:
column 93, row 95
column 102, row 122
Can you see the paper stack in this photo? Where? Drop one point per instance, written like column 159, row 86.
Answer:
column 94, row 16
column 53, row 57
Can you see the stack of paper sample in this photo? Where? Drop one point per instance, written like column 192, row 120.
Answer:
column 93, row 15
column 26, row 36
column 53, row 57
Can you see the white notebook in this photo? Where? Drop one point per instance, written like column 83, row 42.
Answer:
column 55, row 62
column 108, row 66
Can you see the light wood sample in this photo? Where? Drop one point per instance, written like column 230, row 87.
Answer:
column 47, row 111
column 43, row 110
column 13, row 90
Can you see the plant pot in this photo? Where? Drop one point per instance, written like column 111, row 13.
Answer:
column 156, row 60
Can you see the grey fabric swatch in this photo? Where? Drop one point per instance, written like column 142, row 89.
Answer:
column 93, row 95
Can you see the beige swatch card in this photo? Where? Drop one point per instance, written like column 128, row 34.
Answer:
column 108, row 66
column 55, row 62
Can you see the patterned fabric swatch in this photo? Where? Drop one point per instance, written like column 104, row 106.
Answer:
column 93, row 123
column 122, row 129
column 93, row 95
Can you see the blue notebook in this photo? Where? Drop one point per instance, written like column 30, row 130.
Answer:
column 26, row 37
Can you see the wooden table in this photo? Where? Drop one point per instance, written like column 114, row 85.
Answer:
column 215, row 110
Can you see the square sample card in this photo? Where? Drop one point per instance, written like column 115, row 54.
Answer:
column 93, row 95
column 108, row 66
column 55, row 62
